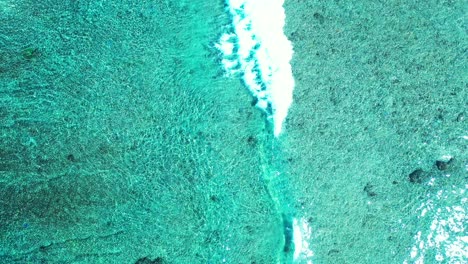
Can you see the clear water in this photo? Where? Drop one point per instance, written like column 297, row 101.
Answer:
column 122, row 140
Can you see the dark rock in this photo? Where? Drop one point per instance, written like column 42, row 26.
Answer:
column 319, row 17
column 443, row 165
column 71, row 158
column 416, row 176
column 369, row 189
column 147, row 260
column 252, row 141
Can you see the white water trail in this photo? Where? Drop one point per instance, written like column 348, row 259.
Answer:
column 258, row 50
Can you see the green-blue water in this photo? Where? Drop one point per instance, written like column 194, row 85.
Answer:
column 380, row 98
column 122, row 141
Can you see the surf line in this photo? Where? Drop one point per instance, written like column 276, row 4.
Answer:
column 256, row 49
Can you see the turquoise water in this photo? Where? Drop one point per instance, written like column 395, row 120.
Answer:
column 380, row 99
column 123, row 142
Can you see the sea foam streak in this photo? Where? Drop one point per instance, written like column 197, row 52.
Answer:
column 258, row 50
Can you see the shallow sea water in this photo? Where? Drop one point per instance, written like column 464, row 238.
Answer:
column 123, row 141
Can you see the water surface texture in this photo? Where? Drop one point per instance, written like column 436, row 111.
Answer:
column 123, row 139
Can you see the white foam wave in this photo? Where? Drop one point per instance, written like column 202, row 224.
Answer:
column 258, row 50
